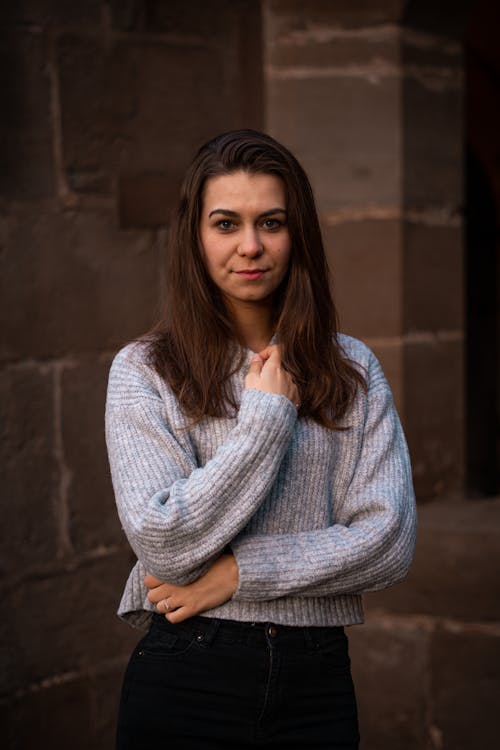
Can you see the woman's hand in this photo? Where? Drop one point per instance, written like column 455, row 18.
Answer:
column 266, row 374
column 213, row 588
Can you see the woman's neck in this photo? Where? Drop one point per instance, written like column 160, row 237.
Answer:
column 254, row 325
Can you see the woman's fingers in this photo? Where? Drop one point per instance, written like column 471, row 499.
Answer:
column 266, row 374
column 151, row 582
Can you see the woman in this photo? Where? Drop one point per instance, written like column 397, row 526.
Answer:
column 260, row 471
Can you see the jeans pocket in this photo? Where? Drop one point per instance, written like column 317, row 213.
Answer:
column 161, row 644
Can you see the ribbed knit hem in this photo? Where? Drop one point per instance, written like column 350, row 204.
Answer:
column 303, row 612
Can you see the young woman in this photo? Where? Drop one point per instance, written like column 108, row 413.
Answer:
column 260, row 471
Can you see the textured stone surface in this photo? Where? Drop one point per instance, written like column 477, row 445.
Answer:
column 26, row 169
column 291, row 15
column 64, row 622
column 117, row 99
column 455, row 570
column 433, row 143
column 389, row 672
column 145, row 200
column 432, row 271
column 465, row 670
column 73, row 282
column 351, row 159
column 434, row 413
column 91, row 507
column 57, row 717
column 29, row 470
column 365, row 260
column 58, row 12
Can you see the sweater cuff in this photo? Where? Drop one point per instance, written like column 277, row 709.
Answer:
column 256, row 571
column 270, row 412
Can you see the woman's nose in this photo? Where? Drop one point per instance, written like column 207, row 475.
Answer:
column 250, row 244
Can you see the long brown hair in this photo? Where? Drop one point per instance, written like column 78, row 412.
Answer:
column 194, row 346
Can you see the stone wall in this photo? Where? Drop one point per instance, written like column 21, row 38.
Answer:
column 103, row 104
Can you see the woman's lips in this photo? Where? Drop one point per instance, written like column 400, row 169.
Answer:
column 251, row 274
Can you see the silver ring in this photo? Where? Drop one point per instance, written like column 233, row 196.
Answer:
column 165, row 605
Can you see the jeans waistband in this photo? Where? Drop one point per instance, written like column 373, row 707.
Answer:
column 206, row 629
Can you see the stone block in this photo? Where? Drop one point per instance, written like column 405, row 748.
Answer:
column 327, row 46
column 213, row 18
column 433, row 143
column 74, row 283
column 465, row 673
column 64, row 622
column 352, row 160
column 56, row 717
column 145, row 200
column 455, row 569
column 26, row 167
column 52, row 13
column 434, row 413
column 29, row 471
column 91, row 506
column 365, row 260
column 389, row 672
column 433, row 283
column 136, row 107
column 291, row 15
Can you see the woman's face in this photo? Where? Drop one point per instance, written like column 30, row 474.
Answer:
column 244, row 236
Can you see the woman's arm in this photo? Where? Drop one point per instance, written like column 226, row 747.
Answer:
column 178, row 517
column 369, row 547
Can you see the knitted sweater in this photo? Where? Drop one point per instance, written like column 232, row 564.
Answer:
column 314, row 517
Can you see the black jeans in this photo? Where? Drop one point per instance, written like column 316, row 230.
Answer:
column 214, row 684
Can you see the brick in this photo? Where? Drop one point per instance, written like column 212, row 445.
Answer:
column 389, row 672
column 65, row 622
column 433, row 283
column 26, row 168
column 352, row 160
column 92, row 511
column 365, row 259
column 455, row 570
column 145, row 200
column 73, row 282
column 433, row 144
column 291, row 15
column 29, row 472
column 434, row 417
column 465, row 669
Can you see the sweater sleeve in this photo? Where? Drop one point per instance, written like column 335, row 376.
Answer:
column 371, row 544
column 178, row 516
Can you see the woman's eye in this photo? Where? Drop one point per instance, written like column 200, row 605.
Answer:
column 225, row 224
column 272, row 223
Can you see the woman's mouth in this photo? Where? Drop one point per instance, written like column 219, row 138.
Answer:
column 251, row 273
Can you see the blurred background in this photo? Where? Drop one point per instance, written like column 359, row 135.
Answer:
column 393, row 108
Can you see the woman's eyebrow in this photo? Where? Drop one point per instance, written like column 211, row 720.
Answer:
column 235, row 214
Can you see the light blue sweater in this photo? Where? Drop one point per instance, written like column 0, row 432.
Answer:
column 314, row 517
